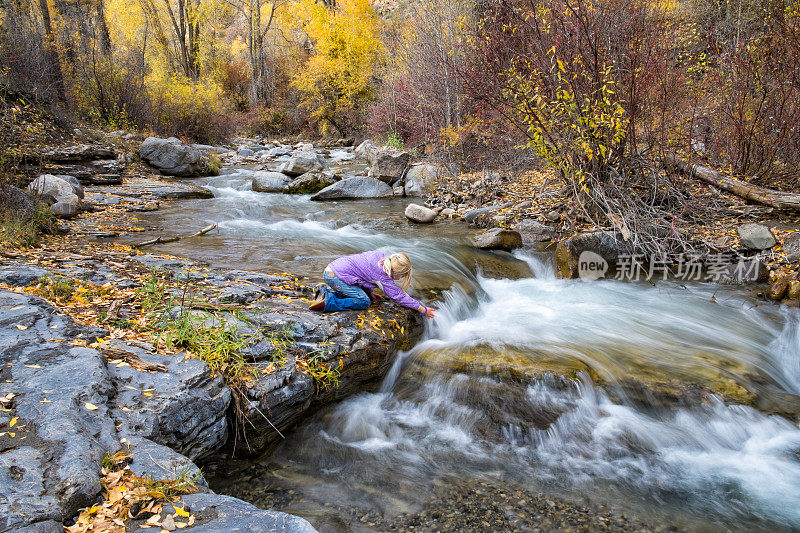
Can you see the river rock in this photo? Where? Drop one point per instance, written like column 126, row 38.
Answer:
column 791, row 247
column 302, row 162
column 419, row 177
column 388, row 164
column 172, row 157
column 533, row 231
column 353, row 189
column 67, row 204
column 279, row 151
column 245, row 152
column 185, row 409
column 778, row 289
column 419, row 213
column 265, row 181
column 793, row 292
column 66, row 210
column 607, row 245
column 498, row 239
column 60, row 189
column 365, row 149
column 50, row 468
column 77, row 188
column 756, row 237
column 310, row 182
column 223, row 514
column 472, row 215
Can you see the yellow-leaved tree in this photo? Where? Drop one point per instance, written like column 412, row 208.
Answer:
column 337, row 79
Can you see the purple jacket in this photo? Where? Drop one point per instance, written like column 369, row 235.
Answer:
column 363, row 270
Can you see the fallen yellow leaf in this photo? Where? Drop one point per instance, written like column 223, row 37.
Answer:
column 181, row 512
column 20, row 326
column 91, row 406
column 13, row 422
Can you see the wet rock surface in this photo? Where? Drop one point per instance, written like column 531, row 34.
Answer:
column 354, row 189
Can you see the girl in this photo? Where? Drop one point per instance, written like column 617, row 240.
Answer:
column 352, row 278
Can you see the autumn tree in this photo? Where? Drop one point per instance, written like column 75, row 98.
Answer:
column 337, row 78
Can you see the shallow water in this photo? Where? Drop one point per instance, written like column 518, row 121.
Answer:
column 471, row 400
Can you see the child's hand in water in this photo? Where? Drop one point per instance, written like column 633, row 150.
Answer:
column 427, row 312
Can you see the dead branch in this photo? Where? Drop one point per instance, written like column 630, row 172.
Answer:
column 770, row 197
column 163, row 240
column 115, row 352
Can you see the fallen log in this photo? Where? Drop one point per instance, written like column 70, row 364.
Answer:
column 770, row 197
column 162, row 240
column 116, row 352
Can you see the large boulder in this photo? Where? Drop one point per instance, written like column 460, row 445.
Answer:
column 310, row 182
column 67, row 203
column 365, row 150
column 353, row 189
column 533, row 231
column 265, row 181
column 59, row 188
column 608, row 245
column 419, row 177
column 498, row 239
column 756, row 237
column 55, row 393
column 388, row 164
column 302, row 162
column 420, row 213
column 173, row 157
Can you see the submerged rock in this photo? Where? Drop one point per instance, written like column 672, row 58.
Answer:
column 353, row 189
column 310, row 182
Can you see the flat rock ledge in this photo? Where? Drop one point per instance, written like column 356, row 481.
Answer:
column 72, row 405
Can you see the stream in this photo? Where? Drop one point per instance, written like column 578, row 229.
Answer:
column 482, row 396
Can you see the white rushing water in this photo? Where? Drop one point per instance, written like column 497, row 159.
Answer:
column 732, row 466
column 447, row 409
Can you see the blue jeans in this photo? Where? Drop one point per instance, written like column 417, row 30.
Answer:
column 343, row 297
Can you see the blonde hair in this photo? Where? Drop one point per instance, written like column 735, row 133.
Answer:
column 398, row 263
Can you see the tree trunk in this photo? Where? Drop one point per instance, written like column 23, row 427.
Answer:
column 770, row 197
column 55, row 74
